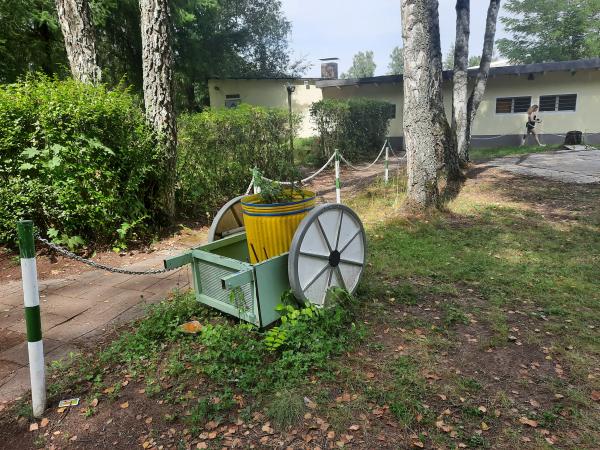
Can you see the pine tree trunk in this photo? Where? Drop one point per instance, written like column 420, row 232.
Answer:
column 460, row 80
column 426, row 130
column 78, row 31
column 482, row 76
column 157, row 65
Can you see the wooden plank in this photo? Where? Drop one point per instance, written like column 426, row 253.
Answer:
column 178, row 261
column 248, row 316
column 220, row 260
column 272, row 281
column 238, row 279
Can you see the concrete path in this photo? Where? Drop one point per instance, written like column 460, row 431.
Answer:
column 569, row 166
column 75, row 310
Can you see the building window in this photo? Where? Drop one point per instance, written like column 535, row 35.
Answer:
column 507, row 105
column 550, row 103
column 232, row 100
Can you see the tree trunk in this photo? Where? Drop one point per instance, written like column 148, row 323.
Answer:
column 460, row 80
column 482, row 76
column 78, row 31
column 426, row 130
column 157, row 65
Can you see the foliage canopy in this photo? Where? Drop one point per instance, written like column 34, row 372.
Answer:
column 363, row 65
column 212, row 38
column 556, row 30
column 77, row 159
column 356, row 126
column 218, row 149
column 396, row 66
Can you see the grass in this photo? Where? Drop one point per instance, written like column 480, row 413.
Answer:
column 463, row 318
column 481, row 154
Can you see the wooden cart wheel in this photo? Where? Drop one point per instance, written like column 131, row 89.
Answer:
column 229, row 220
column 328, row 249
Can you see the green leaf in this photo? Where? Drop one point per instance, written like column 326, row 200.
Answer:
column 54, row 162
column 30, row 152
column 26, row 166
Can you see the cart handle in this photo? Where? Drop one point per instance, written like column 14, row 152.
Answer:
column 177, row 261
column 238, row 279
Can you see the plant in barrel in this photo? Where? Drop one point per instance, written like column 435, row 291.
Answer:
column 272, row 216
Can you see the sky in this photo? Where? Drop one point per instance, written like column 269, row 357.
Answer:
column 341, row 28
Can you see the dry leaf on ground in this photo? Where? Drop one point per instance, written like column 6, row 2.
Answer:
column 530, row 422
column 192, row 327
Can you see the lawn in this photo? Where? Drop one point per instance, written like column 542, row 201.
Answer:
column 476, row 327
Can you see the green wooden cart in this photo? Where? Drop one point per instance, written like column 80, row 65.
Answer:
column 328, row 249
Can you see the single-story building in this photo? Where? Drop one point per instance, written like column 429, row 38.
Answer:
column 568, row 93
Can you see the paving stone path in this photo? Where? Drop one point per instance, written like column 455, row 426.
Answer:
column 75, row 310
column 569, row 166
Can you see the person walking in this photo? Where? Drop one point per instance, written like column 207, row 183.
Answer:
column 532, row 121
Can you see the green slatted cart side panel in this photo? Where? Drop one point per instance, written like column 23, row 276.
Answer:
column 254, row 301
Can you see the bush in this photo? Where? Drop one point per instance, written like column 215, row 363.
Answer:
column 219, row 147
column 357, row 126
column 77, row 159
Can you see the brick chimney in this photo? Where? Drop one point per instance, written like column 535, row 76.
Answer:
column 329, row 68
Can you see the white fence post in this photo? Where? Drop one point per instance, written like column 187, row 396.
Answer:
column 387, row 169
column 338, row 186
column 33, row 322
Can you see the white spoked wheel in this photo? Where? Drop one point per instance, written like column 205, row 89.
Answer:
column 328, row 249
column 229, row 220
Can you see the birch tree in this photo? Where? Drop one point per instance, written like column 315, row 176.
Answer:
column 157, row 68
column 426, row 130
column 460, row 79
column 80, row 43
column 465, row 119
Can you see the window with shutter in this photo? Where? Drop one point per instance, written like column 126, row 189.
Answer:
column 567, row 102
column 507, row 105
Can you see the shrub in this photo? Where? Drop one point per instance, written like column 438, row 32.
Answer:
column 219, row 147
column 77, row 159
column 356, row 126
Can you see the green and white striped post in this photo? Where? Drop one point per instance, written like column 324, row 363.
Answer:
column 386, row 164
column 255, row 176
column 338, row 185
column 31, row 298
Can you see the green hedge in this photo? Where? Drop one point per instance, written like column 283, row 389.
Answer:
column 356, row 126
column 219, row 147
column 77, row 159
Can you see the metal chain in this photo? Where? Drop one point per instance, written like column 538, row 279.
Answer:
column 89, row 262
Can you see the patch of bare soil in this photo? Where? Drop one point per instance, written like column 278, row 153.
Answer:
column 553, row 199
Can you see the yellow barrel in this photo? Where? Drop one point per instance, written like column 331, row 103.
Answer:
column 271, row 227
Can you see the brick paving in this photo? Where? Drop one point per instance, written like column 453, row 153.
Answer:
column 75, row 310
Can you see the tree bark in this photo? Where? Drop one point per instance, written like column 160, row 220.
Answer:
column 78, row 31
column 157, row 66
column 426, row 130
column 482, row 76
column 460, row 80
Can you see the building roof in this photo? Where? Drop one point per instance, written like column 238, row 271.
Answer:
column 284, row 78
column 522, row 69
